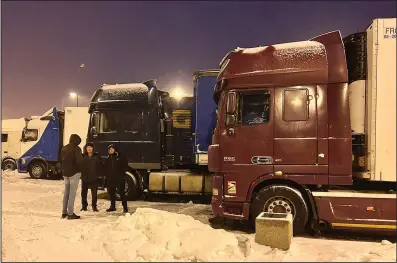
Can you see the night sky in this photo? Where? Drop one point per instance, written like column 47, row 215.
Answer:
column 43, row 43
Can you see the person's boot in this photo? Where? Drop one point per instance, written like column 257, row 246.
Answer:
column 112, row 207
column 73, row 216
column 125, row 207
column 94, row 208
column 84, row 208
column 64, row 216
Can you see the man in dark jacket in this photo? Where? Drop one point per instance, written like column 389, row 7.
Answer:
column 71, row 161
column 115, row 168
column 92, row 167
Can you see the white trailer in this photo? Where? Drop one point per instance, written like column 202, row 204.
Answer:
column 76, row 122
column 373, row 101
column 11, row 133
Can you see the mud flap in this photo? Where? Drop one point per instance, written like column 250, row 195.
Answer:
column 314, row 223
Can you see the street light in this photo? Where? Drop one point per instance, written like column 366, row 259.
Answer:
column 177, row 93
column 75, row 95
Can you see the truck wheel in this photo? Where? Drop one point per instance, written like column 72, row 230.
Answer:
column 132, row 187
column 8, row 164
column 281, row 199
column 37, row 170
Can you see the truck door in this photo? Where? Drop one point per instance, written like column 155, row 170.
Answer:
column 104, row 130
column 247, row 146
column 130, row 144
column 295, row 135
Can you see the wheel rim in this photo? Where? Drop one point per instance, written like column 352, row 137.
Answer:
column 9, row 166
column 279, row 204
column 37, row 171
column 126, row 187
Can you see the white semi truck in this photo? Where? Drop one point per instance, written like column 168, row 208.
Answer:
column 43, row 138
column 11, row 131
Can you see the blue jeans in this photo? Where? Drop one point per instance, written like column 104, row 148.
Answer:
column 69, row 195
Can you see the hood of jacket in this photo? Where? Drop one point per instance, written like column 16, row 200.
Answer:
column 85, row 148
column 75, row 139
column 115, row 150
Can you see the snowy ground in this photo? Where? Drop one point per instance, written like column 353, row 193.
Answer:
column 33, row 231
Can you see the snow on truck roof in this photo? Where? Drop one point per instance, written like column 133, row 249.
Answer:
column 121, row 92
column 302, row 61
column 287, row 57
column 124, row 86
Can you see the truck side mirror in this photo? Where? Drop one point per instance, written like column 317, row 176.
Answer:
column 93, row 131
column 231, row 103
column 230, row 120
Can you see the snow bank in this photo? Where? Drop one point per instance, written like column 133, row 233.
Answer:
column 154, row 235
column 33, row 231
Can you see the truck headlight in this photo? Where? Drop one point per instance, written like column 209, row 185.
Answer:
column 214, row 191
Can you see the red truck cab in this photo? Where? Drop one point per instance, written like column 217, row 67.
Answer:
column 283, row 128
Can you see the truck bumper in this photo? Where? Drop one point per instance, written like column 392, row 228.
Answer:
column 232, row 210
column 22, row 165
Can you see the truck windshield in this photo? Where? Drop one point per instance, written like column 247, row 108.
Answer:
column 118, row 121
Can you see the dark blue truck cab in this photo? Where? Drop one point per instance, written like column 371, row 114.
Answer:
column 165, row 139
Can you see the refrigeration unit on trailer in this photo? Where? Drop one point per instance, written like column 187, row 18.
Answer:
column 318, row 131
column 42, row 140
column 76, row 122
column 11, row 131
column 158, row 134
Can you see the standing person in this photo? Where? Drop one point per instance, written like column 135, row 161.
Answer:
column 92, row 166
column 71, row 161
column 115, row 167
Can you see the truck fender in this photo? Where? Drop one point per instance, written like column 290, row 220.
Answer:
column 131, row 175
column 8, row 158
column 269, row 180
column 41, row 159
column 314, row 222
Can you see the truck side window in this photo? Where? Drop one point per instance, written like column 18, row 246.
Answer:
column 255, row 108
column 108, row 122
column 132, row 122
column 30, row 135
column 295, row 105
column 4, row 137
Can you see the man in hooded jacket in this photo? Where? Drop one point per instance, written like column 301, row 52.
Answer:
column 92, row 167
column 115, row 167
column 71, row 162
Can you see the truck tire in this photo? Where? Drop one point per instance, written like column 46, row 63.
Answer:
column 37, row 170
column 8, row 164
column 132, row 188
column 281, row 199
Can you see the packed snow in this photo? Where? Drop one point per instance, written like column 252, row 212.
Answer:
column 33, row 231
column 124, row 86
column 122, row 92
column 301, row 46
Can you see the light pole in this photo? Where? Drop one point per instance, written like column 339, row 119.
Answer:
column 75, row 95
